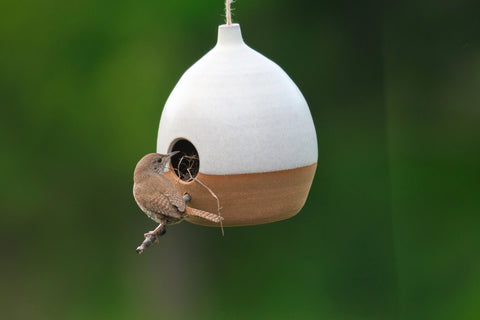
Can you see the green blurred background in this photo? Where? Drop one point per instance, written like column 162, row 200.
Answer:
column 391, row 226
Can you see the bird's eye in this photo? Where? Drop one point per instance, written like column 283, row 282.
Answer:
column 159, row 160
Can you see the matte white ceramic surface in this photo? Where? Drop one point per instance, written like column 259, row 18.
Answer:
column 240, row 110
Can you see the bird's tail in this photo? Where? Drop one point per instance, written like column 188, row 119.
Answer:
column 203, row 214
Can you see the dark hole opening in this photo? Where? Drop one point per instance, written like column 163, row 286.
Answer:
column 186, row 163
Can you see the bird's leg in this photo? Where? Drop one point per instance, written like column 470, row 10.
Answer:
column 152, row 237
column 159, row 231
column 187, row 197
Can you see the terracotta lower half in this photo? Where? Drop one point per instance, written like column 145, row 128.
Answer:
column 248, row 199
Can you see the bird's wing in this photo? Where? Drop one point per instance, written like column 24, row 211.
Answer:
column 161, row 203
column 157, row 196
column 176, row 199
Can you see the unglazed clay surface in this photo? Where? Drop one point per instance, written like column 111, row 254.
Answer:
column 248, row 199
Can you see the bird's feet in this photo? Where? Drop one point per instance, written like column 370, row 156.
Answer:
column 159, row 231
column 151, row 237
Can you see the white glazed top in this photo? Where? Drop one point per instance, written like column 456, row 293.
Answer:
column 240, row 110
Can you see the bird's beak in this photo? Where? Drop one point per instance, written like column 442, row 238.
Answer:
column 167, row 168
column 172, row 153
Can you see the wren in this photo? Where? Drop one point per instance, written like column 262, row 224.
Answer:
column 159, row 198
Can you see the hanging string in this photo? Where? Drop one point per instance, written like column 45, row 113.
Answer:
column 228, row 12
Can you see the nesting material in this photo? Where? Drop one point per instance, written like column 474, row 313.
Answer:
column 187, row 167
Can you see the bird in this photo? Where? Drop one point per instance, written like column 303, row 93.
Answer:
column 158, row 198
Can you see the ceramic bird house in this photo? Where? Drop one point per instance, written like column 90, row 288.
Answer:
column 245, row 135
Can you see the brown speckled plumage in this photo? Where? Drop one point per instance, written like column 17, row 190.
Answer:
column 157, row 196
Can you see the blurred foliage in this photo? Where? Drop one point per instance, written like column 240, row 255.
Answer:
column 390, row 230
